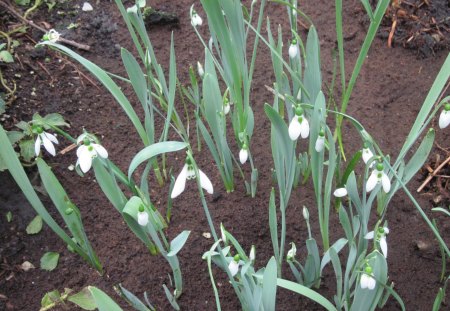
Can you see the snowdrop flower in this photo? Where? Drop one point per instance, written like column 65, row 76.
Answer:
column 320, row 142
column 88, row 150
column 200, row 70
column 234, row 265
column 142, row 216
column 252, row 254
column 367, row 154
column 243, row 154
column 367, row 280
column 444, row 117
column 340, row 192
column 292, row 252
column 52, row 36
column 378, row 176
column 223, row 233
column 380, row 238
column 305, row 213
column 186, row 173
column 46, row 139
column 226, row 106
column 299, row 125
column 196, row 20
column 293, row 49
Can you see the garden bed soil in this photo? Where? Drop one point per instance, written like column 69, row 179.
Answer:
column 387, row 97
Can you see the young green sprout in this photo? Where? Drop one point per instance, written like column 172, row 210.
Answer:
column 299, row 125
column 142, row 216
column 188, row 172
column 379, row 238
column 444, row 117
column 378, row 176
column 88, row 150
column 44, row 138
column 293, row 49
column 367, row 280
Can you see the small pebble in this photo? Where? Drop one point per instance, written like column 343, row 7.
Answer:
column 206, row 235
column 87, row 7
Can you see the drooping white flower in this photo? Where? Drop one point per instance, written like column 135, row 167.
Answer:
column 367, row 281
column 380, row 238
column 292, row 252
column 88, row 150
column 52, row 35
column 367, row 154
column 299, row 125
column 234, row 265
column 226, row 106
column 223, row 233
column 196, row 20
column 243, row 154
column 200, row 70
column 293, row 49
column 320, row 142
column 252, row 254
column 305, row 213
column 378, row 176
column 340, row 192
column 444, row 117
column 142, row 218
column 46, row 139
column 186, row 173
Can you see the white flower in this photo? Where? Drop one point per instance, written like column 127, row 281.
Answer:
column 234, row 265
column 87, row 7
column 186, row 173
column 46, row 139
column 320, row 142
column 293, row 49
column 444, row 117
column 88, row 150
column 52, row 36
column 226, row 107
column 252, row 254
column 292, row 252
column 381, row 238
column 305, row 213
column 367, row 281
column 340, row 192
column 200, row 70
column 367, row 155
column 378, row 176
column 196, row 20
column 243, row 154
column 299, row 125
column 223, row 233
column 142, row 218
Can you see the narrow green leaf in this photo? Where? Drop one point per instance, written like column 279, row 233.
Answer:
column 177, row 244
column 35, row 226
column 50, row 298
column 103, row 301
column 49, row 261
column 270, row 285
column 83, row 299
column 135, row 302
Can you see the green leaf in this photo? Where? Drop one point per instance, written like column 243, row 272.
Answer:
column 14, row 136
column 6, row 57
column 9, row 216
column 270, row 285
column 2, row 105
column 55, row 119
column 27, row 149
column 35, row 226
column 49, row 261
column 50, row 298
column 103, row 301
column 177, row 244
column 135, row 302
column 22, row 2
column 83, row 299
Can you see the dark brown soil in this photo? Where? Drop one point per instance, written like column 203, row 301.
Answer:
column 387, row 97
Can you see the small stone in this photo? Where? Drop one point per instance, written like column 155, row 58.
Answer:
column 422, row 245
column 206, row 235
column 71, row 167
column 87, row 7
column 26, row 266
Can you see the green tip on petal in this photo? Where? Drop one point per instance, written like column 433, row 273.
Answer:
column 366, row 145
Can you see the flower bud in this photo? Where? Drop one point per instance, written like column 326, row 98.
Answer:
column 291, row 253
column 200, row 70
column 305, row 213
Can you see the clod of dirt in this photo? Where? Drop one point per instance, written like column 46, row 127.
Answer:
column 422, row 245
column 156, row 17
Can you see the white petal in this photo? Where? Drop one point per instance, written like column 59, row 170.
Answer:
column 369, row 235
column 444, row 119
column 180, row 183
column 371, row 283
column 304, row 128
column 84, row 158
column 386, row 230
column 252, row 254
column 101, row 151
column 37, row 146
column 87, row 7
column 372, row 181
column 383, row 246
column 364, row 280
column 320, row 142
column 142, row 218
column 294, row 128
column 340, row 192
column 226, row 108
column 243, row 156
column 366, row 155
column 196, row 20
column 51, row 137
column 293, row 50
column 234, row 267
column 386, row 183
column 200, row 70
column 205, row 182
column 48, row 145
